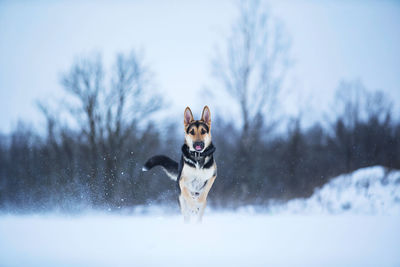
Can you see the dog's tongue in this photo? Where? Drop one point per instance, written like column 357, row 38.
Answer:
column 198, row 148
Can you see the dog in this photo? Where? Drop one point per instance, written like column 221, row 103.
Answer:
column 197, row 170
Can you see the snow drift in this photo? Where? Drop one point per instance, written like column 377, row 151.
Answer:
column 372, row 190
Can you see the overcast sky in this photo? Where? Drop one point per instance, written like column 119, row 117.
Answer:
column 331, row 41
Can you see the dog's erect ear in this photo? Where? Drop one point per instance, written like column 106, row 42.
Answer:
column 188, row 116
column 206, row 116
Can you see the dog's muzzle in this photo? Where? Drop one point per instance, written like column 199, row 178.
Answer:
column 198, row 146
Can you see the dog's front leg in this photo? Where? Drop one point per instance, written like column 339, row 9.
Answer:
column 185, row 210
column 187, row 203
column 204, row 194
column 203, row 198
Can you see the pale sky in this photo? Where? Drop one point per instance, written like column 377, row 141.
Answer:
column 331, row 41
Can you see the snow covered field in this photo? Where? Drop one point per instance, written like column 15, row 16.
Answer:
column 222, row 240
column 354, row 220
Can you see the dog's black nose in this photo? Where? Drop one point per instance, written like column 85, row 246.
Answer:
column 198, row 146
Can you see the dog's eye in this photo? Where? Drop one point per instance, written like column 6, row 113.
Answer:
column 203, row 131
column 192, row 132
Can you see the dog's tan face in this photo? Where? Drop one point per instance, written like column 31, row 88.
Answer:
column 197, row 132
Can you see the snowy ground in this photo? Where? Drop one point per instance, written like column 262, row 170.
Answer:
column 222, row 240
column 354, row 220
column 372, row 190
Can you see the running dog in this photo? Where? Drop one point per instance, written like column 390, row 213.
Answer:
column 197, row 170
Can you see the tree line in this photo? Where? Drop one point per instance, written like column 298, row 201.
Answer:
column 99, row 135
column 96, row 161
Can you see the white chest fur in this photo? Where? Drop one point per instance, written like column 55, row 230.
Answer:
column 195, row 178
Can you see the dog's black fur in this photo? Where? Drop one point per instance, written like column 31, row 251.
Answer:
column 188, row 157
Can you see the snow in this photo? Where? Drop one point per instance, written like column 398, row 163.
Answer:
column 228, row 239
column 351, row 221
column 371, row 190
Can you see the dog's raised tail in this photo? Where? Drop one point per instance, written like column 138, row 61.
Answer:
column 169, row 166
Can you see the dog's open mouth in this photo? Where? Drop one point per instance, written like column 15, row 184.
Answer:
column 198, row 146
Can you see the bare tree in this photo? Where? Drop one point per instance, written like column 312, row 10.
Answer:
column 254, row 63
column 110, row 113
column 85, row 83
column 251, row 70
column 128, row 102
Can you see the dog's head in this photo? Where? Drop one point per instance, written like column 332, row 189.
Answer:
column 197, row 132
